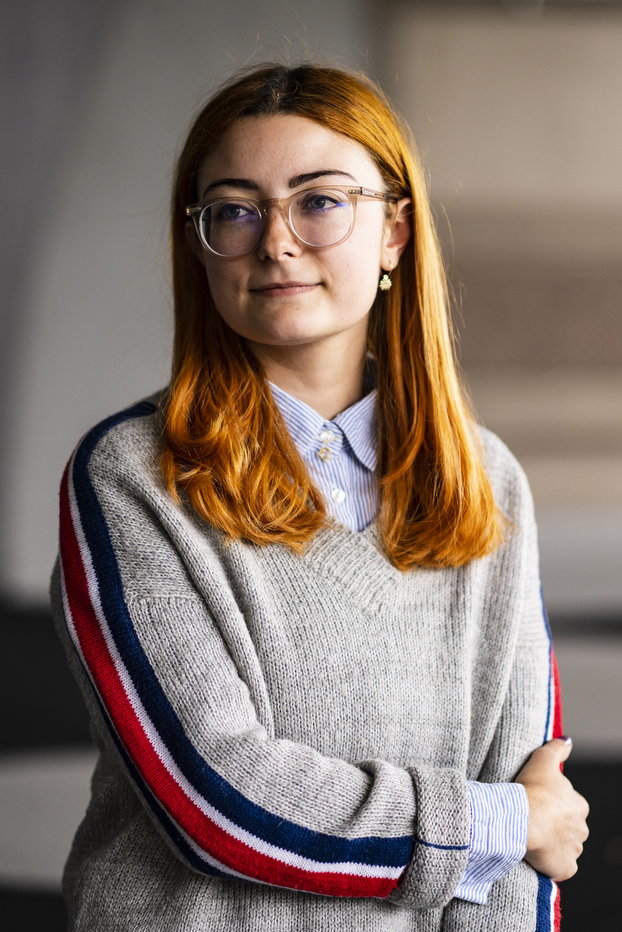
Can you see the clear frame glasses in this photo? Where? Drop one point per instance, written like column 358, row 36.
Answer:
column 318, row 217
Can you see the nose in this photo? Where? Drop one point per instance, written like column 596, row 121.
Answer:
column 278, row 239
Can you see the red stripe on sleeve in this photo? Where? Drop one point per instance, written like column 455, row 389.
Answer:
column 211, row 838
column 558, row 728
column 557, row 912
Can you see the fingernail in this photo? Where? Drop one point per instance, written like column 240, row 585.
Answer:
column 565, row 739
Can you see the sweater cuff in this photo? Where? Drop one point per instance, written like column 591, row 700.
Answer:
column 441, row 843
column 499, row 826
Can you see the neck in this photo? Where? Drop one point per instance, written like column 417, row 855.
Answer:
column 326, row 374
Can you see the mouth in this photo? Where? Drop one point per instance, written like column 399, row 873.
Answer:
column 284, row 289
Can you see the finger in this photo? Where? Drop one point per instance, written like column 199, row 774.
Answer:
column 583, row 805
column 570, row 871
column 555, row 751
column 562, row 745
column 544, row 760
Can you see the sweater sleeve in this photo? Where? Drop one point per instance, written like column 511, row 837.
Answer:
column 530, row 715
column 229, row 799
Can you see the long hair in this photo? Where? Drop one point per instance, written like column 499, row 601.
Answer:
column 225, row 444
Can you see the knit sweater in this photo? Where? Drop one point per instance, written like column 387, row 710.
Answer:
column 342, row 457
column 286, row 739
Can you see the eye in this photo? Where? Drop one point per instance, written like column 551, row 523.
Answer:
column 322, row 201
column 233, row 211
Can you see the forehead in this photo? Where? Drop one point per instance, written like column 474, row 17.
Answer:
column 271, row 150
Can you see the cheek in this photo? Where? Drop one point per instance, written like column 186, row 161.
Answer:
column 358, row 275
column 222, row 283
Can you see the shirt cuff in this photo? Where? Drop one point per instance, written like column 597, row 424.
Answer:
column 498, row 842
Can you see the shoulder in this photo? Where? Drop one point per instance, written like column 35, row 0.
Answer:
column 116, row 513
column 121, row 454
column 124, row 439
column 507, row 477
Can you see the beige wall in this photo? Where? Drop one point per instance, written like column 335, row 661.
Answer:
column 518, row 120
column 513, row 112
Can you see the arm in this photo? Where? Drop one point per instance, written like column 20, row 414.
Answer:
column 181, row 713
column 545, row 823
column 529, row 717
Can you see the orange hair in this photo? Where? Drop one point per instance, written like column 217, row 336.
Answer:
column 225, row 444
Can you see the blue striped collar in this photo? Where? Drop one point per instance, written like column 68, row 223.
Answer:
column 357, row 423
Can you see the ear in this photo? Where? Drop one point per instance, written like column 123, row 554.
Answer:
column 397, row 235
column 193, row 241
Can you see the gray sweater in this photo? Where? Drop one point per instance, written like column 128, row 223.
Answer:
column 285, row 740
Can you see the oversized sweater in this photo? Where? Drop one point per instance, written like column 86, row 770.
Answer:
column 286, row 739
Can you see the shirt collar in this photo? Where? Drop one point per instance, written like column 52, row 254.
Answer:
column 357, row 423
column 360, row 425
column 303, row 422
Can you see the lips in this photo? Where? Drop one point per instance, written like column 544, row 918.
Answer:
column 283, row 288
column 273, row 286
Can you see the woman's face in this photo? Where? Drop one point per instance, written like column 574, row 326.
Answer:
column 285, row 293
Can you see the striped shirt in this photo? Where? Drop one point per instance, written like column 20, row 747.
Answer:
column 342, row 455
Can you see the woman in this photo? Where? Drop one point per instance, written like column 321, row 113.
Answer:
column 299, row 588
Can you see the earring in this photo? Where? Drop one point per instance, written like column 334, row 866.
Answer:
column 385, row 283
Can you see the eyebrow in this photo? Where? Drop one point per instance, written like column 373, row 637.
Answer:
column 246, row 185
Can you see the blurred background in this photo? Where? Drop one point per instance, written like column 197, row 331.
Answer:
column 517, row 110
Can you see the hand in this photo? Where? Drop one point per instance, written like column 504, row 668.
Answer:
column 557, row 814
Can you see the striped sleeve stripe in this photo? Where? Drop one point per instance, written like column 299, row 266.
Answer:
column 548, row 910
column 554, row 725
column 548, row 913
column 217, row 825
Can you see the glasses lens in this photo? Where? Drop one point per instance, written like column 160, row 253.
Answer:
column 321, row 217
column 230, row 227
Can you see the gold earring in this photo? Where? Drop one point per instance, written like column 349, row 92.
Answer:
column 385, row 283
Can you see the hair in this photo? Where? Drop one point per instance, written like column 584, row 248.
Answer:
column 225, row 444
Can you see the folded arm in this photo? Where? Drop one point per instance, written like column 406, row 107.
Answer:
column 230, row 799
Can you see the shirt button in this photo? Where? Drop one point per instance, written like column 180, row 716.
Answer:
column 327, row 436
column 338, row 496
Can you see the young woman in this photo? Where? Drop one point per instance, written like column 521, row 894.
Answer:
column 300, row 587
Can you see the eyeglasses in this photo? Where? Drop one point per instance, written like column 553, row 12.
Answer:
column 318, row 217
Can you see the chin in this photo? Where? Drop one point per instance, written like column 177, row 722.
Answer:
column 291, row 333
column 291, row 339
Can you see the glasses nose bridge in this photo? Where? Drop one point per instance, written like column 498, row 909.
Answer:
column 283, row 204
